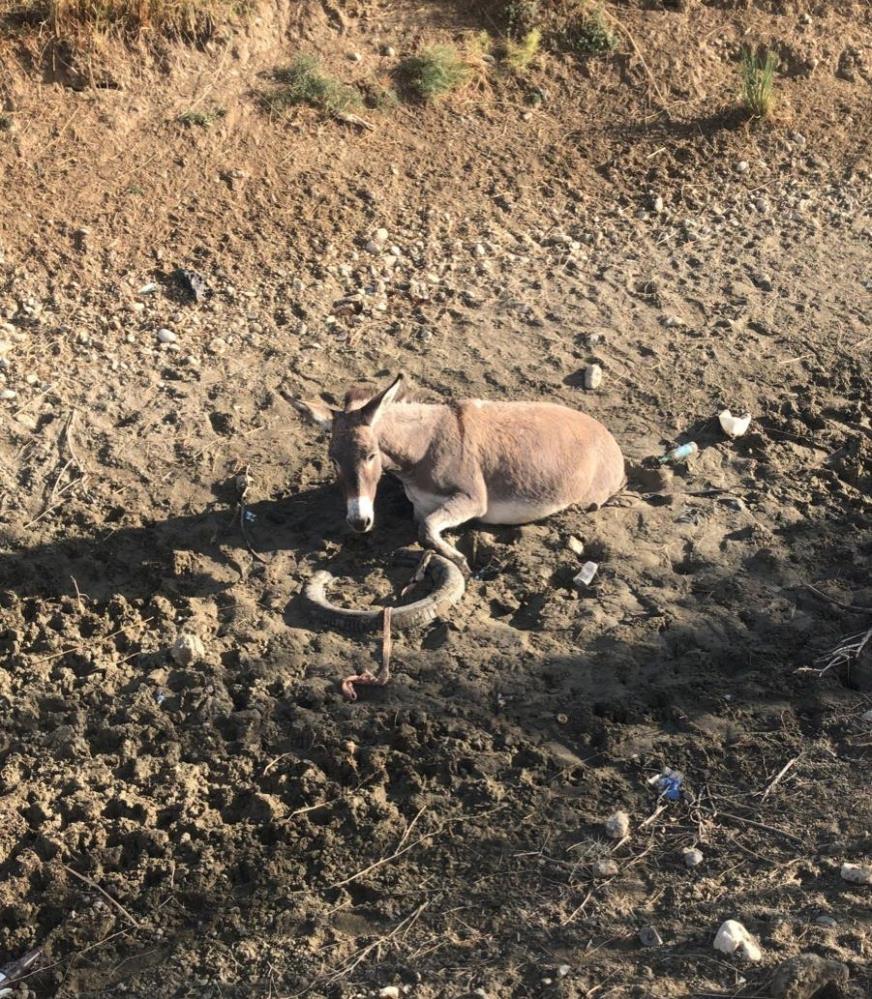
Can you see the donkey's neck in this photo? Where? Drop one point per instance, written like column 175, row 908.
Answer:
column 405, row 433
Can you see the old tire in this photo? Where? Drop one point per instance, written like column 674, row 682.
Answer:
column 448, row 588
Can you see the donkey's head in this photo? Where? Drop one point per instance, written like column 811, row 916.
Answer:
column 354, row 448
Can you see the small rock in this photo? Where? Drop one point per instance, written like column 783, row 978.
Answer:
column 798, row 138
column 593, row 376
column 166, row 336
column 575, row 545
column 188, row 648
column 808, row 975
column 563, row 970
column 217, row 346
column 355, row 56
column 742, row 166
column 733, row 938
column 762, row 205
column 479, row 250
column 378, row 241
column 617, row 825
column 605, row 869
column 8, row 394
column 692, row 856
column 826, row 921
column 649, row 937
column 867, row 716
column 857, row 874
column 389, row 51
column 657, row 204
column 389, row 992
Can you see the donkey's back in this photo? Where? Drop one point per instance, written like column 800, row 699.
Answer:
column 536, row 458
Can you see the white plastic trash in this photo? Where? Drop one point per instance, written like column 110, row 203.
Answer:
column 585, row 577
column 734, row 426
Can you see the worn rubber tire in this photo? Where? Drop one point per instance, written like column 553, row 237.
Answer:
column 449, row 587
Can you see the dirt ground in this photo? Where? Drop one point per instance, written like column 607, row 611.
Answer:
column 232, row 827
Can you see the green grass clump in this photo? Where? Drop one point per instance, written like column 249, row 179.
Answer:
column 587, row 33
column 436, row 72
column 519, row 54
column 303, row 83
column 521, row 17
column 758, row 82
column 200, row 119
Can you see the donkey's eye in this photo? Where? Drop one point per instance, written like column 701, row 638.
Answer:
column 371, row 457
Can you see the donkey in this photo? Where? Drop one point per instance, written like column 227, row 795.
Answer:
column 500, row 462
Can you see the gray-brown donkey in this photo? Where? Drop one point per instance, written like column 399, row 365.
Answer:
column 502, row 462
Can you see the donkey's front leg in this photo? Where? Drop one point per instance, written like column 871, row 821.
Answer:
column 453, row 512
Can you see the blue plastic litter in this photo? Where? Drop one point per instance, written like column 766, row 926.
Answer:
column 669, row 785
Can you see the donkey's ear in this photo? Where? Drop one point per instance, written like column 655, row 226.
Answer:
column 373, row 411
column 315, row 410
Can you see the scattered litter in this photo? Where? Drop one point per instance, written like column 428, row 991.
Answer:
column 192, row 282
column 15, row 970
column 605, row 869
column 807, row 975
column 734, row 426
column 733, row 938
column 679, row 453
column 585, row 577
column 649, row 937
column 188, row 648
column 250, row 517
column 668, row 783
column 148, row 289
column 857, row 874
column 692, row 856
column 618, row 825
column 576, row 545
column 593, row 376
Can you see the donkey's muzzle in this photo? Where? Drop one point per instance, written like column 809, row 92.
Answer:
column 361, row 524
column 360, row 514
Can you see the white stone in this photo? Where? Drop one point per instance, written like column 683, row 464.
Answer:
column 857, row 874
column 479, row 250
column 733, row 938
column 563, row 970
column 166, row 336
column 7, row 394
column 389, row 992
column 188, row 648
column 742, row 166
column 593, row 376
column 355, row 56
column 5, row 346
column 867, row 716
column 692, row 856
column 617, row 825
column 658, row 204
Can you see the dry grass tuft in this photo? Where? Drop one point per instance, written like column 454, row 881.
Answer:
column 183, row 18
column 758, row 82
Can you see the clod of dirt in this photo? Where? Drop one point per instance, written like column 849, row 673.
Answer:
column 733, row 938
column 809, row 976
column 188, row 649
column 649, row 937
column 692, row 857
column 857, row 874
column 618, row 825
column 605, row 869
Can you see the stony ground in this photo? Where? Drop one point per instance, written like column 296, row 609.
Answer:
column 231, row 827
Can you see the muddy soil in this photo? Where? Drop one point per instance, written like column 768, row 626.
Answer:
column 229, row 826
